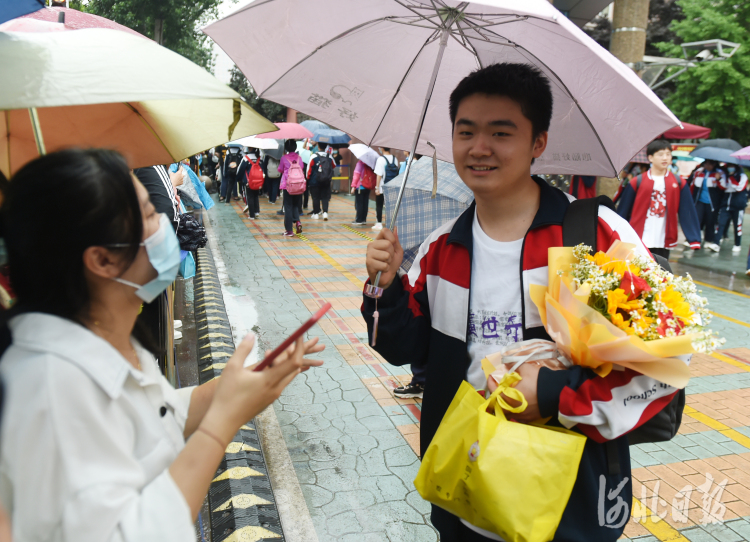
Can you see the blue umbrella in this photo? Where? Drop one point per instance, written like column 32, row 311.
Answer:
column 420, row 215
column 331, row 136
column 11, row 9
column 719, row 155
column 314, row 125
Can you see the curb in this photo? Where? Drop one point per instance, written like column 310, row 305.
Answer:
column 240, row 499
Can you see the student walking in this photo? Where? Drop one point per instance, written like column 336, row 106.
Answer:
column 583, row 186
column 251, row 176
column 293, row 185
column 319, row 180
column 732, row 207
column 363, row 180
column 706, row 187
column 653, row 201
column 386, row 169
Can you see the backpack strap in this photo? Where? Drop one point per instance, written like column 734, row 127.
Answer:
column 582, row 221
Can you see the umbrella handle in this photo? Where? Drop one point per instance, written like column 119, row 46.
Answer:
column 374, row 290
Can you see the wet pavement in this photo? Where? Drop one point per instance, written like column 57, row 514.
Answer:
column 354, row 447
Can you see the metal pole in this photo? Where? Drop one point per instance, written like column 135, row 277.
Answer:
column 373, row 290
column 37, row 129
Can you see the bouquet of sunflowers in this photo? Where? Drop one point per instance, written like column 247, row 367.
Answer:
column 622, row 308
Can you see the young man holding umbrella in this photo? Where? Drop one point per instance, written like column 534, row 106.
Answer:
column 467, row 295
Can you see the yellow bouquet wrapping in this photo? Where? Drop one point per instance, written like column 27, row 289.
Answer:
column 621, row 309
column 508, row 478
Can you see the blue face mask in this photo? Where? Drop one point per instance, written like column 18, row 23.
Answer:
column 731, row 170
column 163, row 251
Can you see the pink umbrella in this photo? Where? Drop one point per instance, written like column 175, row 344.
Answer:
column 74, row 20
column 287, row 130
column 742, row 154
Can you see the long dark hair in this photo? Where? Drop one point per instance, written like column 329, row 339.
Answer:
column 55, row 208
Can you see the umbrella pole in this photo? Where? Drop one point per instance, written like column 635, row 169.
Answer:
column 374, row 290
column 36, row 127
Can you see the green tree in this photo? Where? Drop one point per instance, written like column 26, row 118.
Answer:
column 714, row 94
column 181, row 22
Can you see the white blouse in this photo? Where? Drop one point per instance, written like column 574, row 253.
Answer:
column 86, row 440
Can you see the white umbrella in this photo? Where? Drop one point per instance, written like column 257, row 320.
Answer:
column 364, row 153
column 256, row 143
column 410, row 55
column 106, row 88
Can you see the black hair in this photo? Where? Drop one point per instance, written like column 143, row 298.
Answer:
column 55, row 208
column 522, row 83
column 658, row 145
column 290, row 145
column 386, row 149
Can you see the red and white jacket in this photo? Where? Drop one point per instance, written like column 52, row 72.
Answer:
column 424, row 316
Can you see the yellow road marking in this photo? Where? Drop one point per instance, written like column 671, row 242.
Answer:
column 357, row 232
column 236, row 473
column 333, row 263
column 659, row 528
column 730, row 361
column 725, row 430
column 733, row 320
column 250, row 533
column 720, row 288
column 246, row 500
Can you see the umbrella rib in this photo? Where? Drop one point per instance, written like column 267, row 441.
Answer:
column 321, row 46
column 470, row 46
column 138, row 114
column 7, row 131
column 413, row 9
column 401, row 83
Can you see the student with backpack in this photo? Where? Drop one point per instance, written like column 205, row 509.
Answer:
column 229, row 174
column 386, row 168
column 251, row 175
column 705, row 183
column 582, row 186
column 467, row 294
column 732, row 207
column 363, row 180
column 293, row 185
column 655, row 200
column 319, row 180
column 273, row 176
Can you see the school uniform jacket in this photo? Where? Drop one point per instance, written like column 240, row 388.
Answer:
column 424, row 317
column 582, row 186
column 734, row 187
column 636, row 199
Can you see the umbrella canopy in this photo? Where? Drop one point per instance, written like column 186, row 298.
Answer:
column 256, row 143
column 688, row 131
column 77, row 20
column 364, row 153
column 719, row 155
column 420, row 214
column 641, row 157
column 288, row 130
column 430, row 46
column 10, row 9
column 742, row 154
column 331, row 136
column 151, row 104
column 728, row 144
column 314, row 125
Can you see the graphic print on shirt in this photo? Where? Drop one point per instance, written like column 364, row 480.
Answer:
column 658, row 207
column 496, row 328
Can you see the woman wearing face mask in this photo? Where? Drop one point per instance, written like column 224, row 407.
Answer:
column 93, row 437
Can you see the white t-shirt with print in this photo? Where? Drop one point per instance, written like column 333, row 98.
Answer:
column 494, row 307
column 655, row 228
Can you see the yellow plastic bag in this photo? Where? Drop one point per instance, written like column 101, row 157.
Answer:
column 510, row 478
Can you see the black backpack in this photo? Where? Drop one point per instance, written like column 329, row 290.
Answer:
column 391, row 170
column 580, row 226
column 324, row 174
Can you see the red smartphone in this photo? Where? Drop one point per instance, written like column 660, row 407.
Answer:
column 292, row 338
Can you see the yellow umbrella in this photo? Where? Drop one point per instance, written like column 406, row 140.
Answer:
column 105, row 88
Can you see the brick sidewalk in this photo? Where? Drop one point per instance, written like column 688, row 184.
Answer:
column 326, row 263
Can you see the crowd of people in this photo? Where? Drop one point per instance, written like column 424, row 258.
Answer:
column 97, row 444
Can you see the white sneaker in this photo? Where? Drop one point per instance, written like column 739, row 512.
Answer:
column 736, row 249
column 378, row 226
column 246, row 208
column 686, row 244
column 325, row 216
column 314, row 217
column 177, row 335
column 178, row 324
column 713, row 247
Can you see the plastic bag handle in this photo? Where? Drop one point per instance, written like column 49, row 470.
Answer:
column 506, row 386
